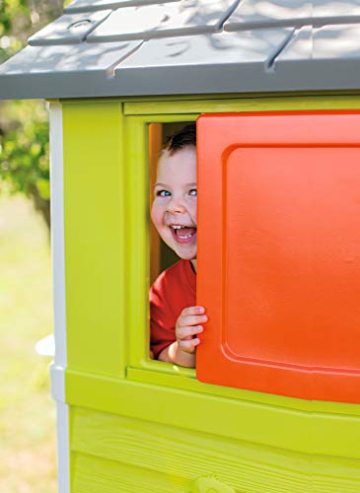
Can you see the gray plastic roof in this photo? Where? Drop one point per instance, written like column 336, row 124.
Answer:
column 104, row 48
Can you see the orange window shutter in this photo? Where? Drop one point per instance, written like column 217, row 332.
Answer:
column 279, row 253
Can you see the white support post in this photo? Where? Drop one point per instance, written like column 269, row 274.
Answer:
column 58, row 263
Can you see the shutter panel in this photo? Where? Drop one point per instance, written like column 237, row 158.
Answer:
column 279, row 253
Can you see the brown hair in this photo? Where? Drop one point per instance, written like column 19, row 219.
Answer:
column 186, row 137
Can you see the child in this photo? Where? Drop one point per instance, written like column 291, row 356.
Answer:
column 175, row 318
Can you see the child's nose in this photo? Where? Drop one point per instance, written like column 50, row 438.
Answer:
column 175, row 206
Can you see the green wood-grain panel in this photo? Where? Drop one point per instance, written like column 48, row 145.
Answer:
column 297, row 430
column 166, row 456
column 178, row 453
column 94, row 475
column 94, row 236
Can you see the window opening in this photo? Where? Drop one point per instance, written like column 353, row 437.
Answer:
column 167, row 297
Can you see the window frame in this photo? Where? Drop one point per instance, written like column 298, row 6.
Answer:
column 137, row 117
column 137, row 201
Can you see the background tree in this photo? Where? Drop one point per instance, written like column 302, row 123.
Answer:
column 24, row 148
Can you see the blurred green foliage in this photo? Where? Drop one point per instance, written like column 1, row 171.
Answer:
column 24, row 148
column 19, row 19
column 24, row 153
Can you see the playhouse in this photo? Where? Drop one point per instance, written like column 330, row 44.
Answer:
column 274, row 403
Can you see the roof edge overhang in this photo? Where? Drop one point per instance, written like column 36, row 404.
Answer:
column 168, row 81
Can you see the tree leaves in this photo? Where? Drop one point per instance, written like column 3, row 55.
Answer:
column 24, row 129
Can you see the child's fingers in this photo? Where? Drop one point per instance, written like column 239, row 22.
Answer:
column 189, row 345
column 185, row 320
column 188, row 331
column 193, row 310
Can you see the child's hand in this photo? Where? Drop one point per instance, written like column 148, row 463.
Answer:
column 189, row 325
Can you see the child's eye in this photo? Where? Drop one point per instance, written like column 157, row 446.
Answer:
column 193, row 192
column 163, row 193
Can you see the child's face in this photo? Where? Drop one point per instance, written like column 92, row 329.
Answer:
column 174, row 207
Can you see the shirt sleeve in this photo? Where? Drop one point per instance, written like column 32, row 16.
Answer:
column 162, row 321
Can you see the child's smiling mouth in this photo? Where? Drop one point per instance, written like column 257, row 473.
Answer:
column 183, row 234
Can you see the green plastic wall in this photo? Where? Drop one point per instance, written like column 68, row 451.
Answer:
column 144, row 426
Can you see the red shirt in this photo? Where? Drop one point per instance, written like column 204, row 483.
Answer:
column 173, row 290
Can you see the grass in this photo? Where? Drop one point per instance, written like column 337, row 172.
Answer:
column 27, row 412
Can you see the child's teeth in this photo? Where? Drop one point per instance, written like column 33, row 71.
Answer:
column 185, row 234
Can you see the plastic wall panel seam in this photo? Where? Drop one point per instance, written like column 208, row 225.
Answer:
column 58, row 261
column 94, row 217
